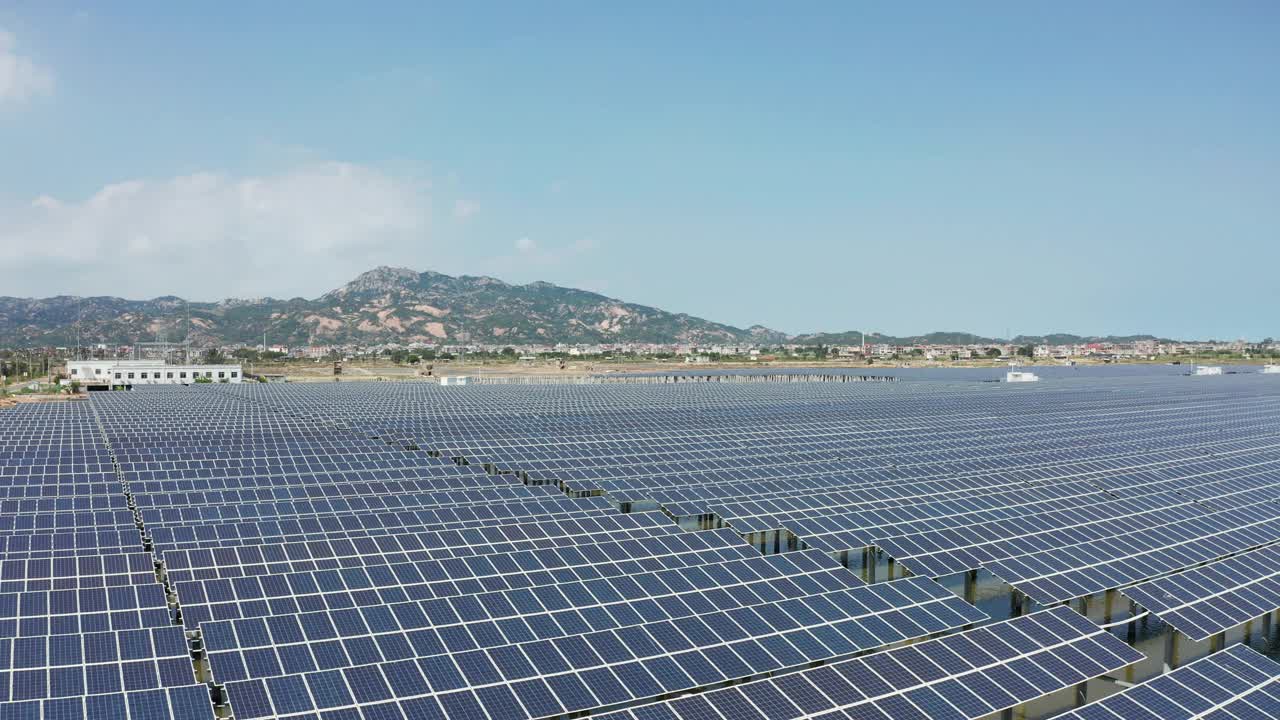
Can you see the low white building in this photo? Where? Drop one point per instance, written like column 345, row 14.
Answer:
column 148, row 372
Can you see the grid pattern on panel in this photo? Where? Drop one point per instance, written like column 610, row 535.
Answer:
column 1096, row 564
column 334, row 550
column 1208, row 600
column 967, row 675
column 193, row 534
column 25, row 574
column 251, row 596
column 39, row 667
column 185, row 701
column 609, row 668
column 1238, row 682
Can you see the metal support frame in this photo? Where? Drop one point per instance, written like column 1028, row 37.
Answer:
column 1217, row 642
column 1170, row 649
column 970, row 591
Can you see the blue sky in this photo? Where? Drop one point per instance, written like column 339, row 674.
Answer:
column 1030, row 167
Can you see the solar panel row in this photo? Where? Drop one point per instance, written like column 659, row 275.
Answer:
column 1208, row 600
column 1237, row 683
column 86, row 628
column 968, row 675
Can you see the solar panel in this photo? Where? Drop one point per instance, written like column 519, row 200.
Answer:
column 1208, row 600
column 1093, row 564
column 187, row 701
column 40, row 667
column 968, row 675
column 619, row 665
column 232, row 598
column 1236, row 683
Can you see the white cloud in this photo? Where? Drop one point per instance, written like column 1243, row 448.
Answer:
column 526, row 245
column 210, row 235
column 20, row 77
column 463, row 209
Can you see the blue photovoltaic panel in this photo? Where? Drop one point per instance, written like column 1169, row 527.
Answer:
column 1211, row 599
column 968, row 675
column 1236, row 683
column 1094, row 564
column 624, row 664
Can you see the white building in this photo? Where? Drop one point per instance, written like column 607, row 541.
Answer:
column 148, row 372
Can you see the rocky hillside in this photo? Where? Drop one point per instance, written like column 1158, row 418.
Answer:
column 383, row 305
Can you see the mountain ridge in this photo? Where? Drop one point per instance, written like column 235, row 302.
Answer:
column 396, row 304
column 382, row 305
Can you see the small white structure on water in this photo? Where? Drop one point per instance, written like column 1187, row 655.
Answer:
column 1271, row 369
column 1016, row 374
column 453, row 379
column 1207, row 370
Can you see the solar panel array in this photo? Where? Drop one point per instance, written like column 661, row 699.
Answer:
column 944, row 477
column 380, row 550
column 1211, row 599
column 1237, row 683
column 86, row 629
column 969, row 675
